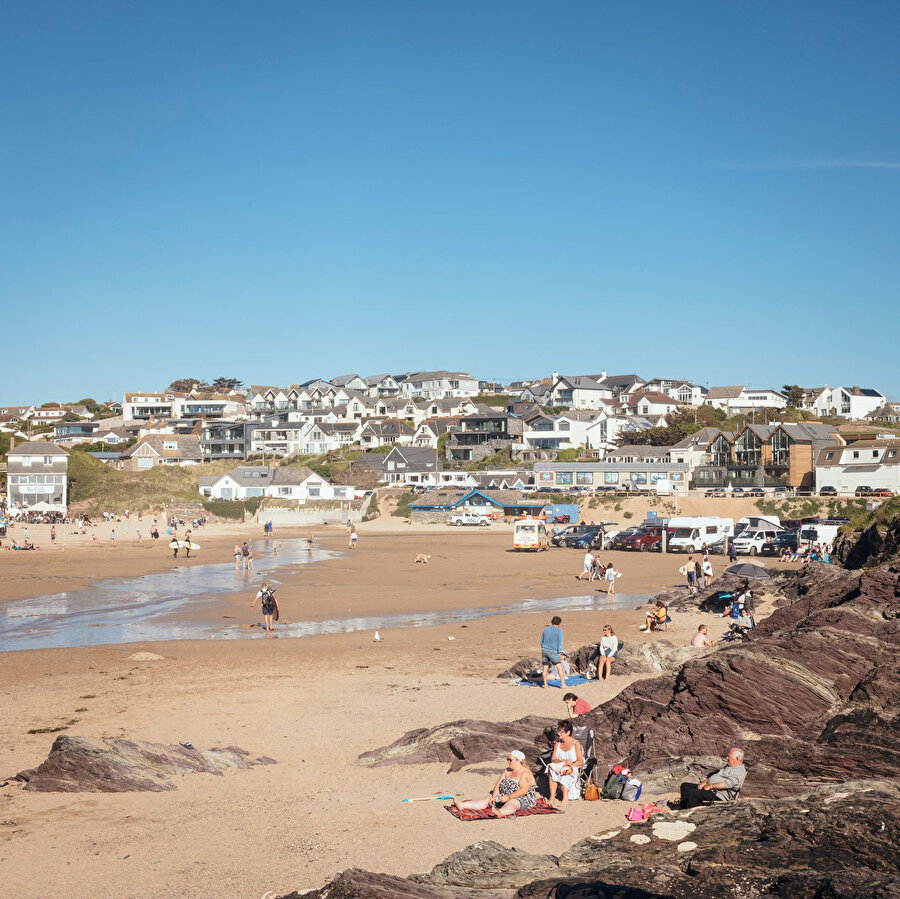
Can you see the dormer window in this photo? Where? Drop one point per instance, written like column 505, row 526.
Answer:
column 170, row 446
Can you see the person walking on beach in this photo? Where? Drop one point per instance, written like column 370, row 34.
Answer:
column 269, row 606
column 611, row 575
column 187, row 543
column 238, row 556
column 732, row 552
column 551, row 650
column 112, row 538
column 248, row 557
column 52, row 535
column 354, row 537
column 309, row 541
column 588, row 566
column 688, row 571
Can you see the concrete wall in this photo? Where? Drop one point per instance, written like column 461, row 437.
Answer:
column 306, row 515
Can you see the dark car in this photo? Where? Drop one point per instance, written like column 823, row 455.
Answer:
column 828, row 491
column 564, row 536
column 620, row 538
column 590, row 539
column 776, row 546
column 645, row 539
column 737, row 491
column 863, row 491
column 792, row 524
column 754, row 491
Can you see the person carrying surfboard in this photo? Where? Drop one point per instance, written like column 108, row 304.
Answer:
column 269, row 604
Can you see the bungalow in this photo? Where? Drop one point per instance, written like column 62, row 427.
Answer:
column 439, row 505
column 241, row 483
column 302, row 484
column 37, row 472
column 863, row 463
column 744, row 399
column 16, row 414
column 888, row 412
column 162, row 449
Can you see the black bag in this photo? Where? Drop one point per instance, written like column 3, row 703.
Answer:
column 613, row 787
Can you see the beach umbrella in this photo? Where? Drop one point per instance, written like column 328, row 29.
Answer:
column 747, row 569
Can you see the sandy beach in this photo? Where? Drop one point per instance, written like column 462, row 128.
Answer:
column 313, row 704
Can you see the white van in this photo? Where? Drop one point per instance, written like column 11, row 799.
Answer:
column 688, row 533
column 529, row 533
column 750, row 542
column 821, row 532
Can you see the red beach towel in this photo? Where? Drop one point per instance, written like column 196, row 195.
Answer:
column 542, row 808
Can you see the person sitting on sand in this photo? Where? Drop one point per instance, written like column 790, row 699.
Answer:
column 722, row 786
column 576, row 705
column 609, row 652
column 514, row 791
column 565, row 765
column 701, row 638
column 656, row 618
column 566, row 664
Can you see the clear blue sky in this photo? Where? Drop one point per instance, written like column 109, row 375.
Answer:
column 284, row 190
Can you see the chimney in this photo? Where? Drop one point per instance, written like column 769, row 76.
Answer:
column 856, row 390
column 602, row 375
column 555, row 375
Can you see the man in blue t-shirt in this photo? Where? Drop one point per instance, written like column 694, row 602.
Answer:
column 551, row 648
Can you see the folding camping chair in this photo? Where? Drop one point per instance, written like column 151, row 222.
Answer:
column 585, row 736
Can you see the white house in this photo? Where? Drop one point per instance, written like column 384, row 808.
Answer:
column 865, row 463
column 845, row 402
column 580, row 391
column 555, row 432
column 382, row 385
column 143, row 406
column 243, row 482
column 37, row 472
column 350, row 382
column 409, row 465
column 684, row 391
column 744, row 399
column 301, row 484
column 607, row 431
column 438, row 384
column 649, row 404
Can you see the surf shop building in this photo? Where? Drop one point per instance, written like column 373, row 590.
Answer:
column 439, row 506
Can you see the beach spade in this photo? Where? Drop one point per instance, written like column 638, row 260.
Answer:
column 424, row 798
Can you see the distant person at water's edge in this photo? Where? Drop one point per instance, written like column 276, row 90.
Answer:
column 551, row 650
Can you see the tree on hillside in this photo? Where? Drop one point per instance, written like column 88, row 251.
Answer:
column 794, row 394
column 678, row 426
column 185, row 385
column 223, row 385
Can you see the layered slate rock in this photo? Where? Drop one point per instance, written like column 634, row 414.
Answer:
column 80, row 765
column 830, row 843
column 811, row 698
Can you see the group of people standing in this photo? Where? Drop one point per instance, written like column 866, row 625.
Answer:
column 595, row 570
column 699, row 572
column 553, row 655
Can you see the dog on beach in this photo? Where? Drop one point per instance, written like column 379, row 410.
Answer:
column 423, row 558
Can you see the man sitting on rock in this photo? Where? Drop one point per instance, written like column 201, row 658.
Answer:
column 723, row 786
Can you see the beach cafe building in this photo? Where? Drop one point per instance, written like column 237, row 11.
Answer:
column 612, row 475
column 438, row 506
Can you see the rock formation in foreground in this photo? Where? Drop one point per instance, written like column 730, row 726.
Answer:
column 811, row 697
column 834, row 842
column 80, row 765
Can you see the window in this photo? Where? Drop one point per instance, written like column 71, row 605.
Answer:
column 892, row 454
column 145, row 463
column 564, row 477
column 284, row 491
column 584, row 477
column 855, row 454
column 829, row 457
column 170, row 445
column 874, row 454
column 48, row 460
column 564, row 426
column 315, row 492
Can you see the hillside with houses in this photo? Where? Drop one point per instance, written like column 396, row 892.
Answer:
column 333, row 439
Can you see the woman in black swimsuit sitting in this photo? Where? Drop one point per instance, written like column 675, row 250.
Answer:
column 513, row 791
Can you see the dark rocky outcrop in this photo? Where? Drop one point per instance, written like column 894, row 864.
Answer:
column 80, row 765
column 830, row 843
column 875, row 545
column 812, row 698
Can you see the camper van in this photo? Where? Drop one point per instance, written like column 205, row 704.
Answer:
column 751, row 541
column 757, row 523
column 821, row 532
column 688, row 534
column 529, row 533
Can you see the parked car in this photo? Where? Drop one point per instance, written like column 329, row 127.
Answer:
column 716, row 491
column 618, row 542
column 645, row 539
column 792, row 524
column 782, row 541
column 804, row 491
column 881, row 491
column 563, row 536
column 590, row 539
column 828, row 491
column 755, row 491
column 470, row 518
column 737, row 491
column 782, row 492
column 863, row 491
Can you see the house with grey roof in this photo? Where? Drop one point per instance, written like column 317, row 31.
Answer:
column 37, row 472
column 580, row 391
column 240, row 483
column 853, row 403
column 162, row 449
column 439, row 384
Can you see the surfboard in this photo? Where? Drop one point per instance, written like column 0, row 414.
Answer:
column 184, row 544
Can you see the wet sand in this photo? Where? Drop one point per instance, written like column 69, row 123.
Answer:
column 313, row 704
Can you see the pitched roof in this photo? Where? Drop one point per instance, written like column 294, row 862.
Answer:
column 37, row 448
column 724, row 393
column 291, row 475
column 653, row 396
column 188, row 447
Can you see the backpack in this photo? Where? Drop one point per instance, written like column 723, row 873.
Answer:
column 631, row 789
column 612, row 789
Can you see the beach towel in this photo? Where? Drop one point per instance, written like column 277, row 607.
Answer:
column 542, row 808
column 572, row 681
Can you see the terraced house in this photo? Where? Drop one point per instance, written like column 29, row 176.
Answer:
column 777, row 455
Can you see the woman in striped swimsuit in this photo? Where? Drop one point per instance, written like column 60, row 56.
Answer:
column 513, row 791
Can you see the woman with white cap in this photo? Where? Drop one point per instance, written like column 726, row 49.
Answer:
column 514, row 790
